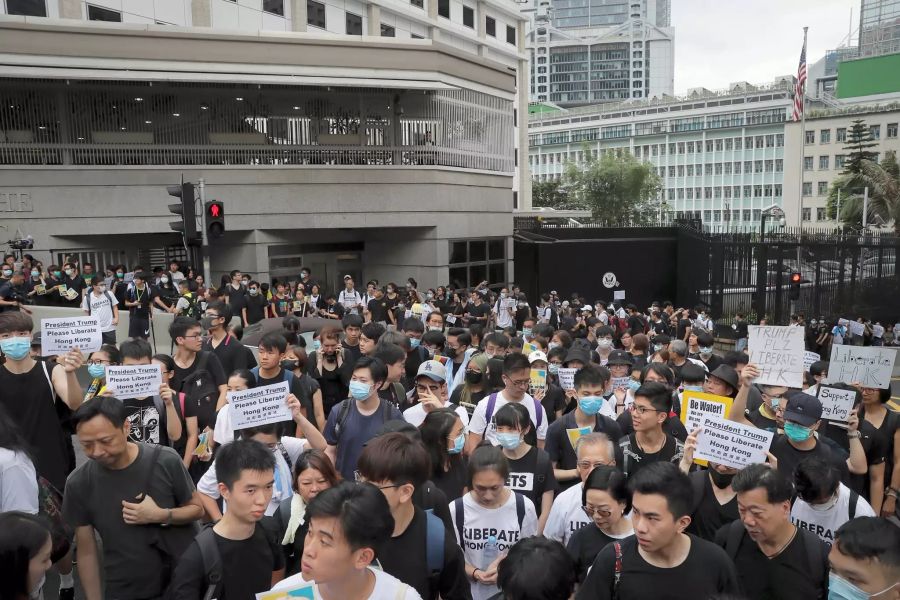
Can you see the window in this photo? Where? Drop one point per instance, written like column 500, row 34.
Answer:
column 671, row 171
column 820, row 213
column 807, row 188
column 760, row 141
column 770, row 141
column 779, row 140
column 510, row 35
column 807, row 214
column 27, row 8
column 875, row 130
column 779, row 165
column 444, row 8
column 387, row 31
column 418, row 3
column 841, row 134
column 810, row 137
column 690, row 170
column 729, row 144
column 315, row 15
column 839, row 161
column 757, row 166
column 891, row 130
column 778, row 190
column 276, row 7
column 469, row 16
column 737, row 168
column 747, row 190
column 823, row 163
column 681, row 170
column 690, row 147
column 490, row 26
column 822, row 189
column 738, row 143
column 770, row 166
column 354, row 24
column 807, row 163
column 825, row 136
column 95, row 13
column 474, row 261
column 767, row 190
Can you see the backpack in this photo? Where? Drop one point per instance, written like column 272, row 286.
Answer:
column 460, row 511
column 287, row 376
column 538, row 412
column 434, row 547
column 112, row 301
column 212, row 560
column 193, row 308
column 814, row 549
column 618, row 565
column 620, row 324
column 199, row 386
column 344, row 411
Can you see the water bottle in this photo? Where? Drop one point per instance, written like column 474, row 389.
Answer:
column 491, row 551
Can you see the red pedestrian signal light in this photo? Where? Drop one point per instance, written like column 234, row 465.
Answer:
column 215, row 219
column 796, row 277
column 215, row 210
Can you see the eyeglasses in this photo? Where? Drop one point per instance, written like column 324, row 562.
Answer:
column 196, row 335
column 590, row 511
column 586, row 464
column 520, row 382
column 358, row 478
column 212, row 315
column 98, row 361
column 642, row 410
column 422, row 389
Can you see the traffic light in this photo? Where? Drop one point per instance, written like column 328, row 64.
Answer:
column 215, row 219
column 185, row 209
column 795, row 286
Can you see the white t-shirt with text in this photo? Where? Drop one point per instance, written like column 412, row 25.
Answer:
column 415, row 415
column 824, row 522
column 566, row 516
column 101, row 308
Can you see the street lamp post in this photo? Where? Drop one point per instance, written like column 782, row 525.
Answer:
column 772, row 212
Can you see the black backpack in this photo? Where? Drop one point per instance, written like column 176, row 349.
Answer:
column 212, row 560
column 199, row 386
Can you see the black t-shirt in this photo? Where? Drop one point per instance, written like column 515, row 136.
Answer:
column 453, row 481
column 709, row 516
column 288, row 427
column 406, row 558
column 760, row 420
column 335, row 309
column 247, row 567
column 682, row 327
column 525, row 479
column 147, row 425
column 237, row 298
column 789, row 457
column 281, row 306
column 741, row 329
column 672, row 425
column 379, row 309
column 584, row 546
column 478, row 313
column 784, row 577
column 713, row 363
column 205, row 411
column 256, row 308
column 635, row 325
column 232, row 354
column 561, row 450
column 874, row 445
column 351, row 353
column 706, row 571
column 637, row 458
column 144, row 298
column 554, row 400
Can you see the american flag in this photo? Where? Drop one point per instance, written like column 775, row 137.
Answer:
column 800, row 87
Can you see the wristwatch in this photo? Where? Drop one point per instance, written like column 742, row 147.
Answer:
column 889, row 491
column 168, row 518
column 854, row 435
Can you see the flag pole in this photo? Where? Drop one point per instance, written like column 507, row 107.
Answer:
column 802, row 92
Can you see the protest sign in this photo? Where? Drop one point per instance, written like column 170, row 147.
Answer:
column 620, row 382
column 508, row 303
column 732, row 444
column 134, row 381
column 260, row 406
column 809, row 358
column 528, row 348
column 619, row 295
column 870, row 366
column 778, row 352
column 451, row 319
column 836, row 403
column 575, row 434
column 538, row 380
column 566, row 378
column 304, row 591
column 856, row 328
column 696, row 405
column 61, row 334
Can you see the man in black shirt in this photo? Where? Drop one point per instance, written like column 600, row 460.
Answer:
column 661, row 561
column 377, row 308
column 139, row 299
column 149, row 424
column 272, row 348
column 74, row 282
column 649, row 443
column 397, row 465
column 715, row 502
column 250, row 561
column 352, row 325
column 255, row 305
column 775, row 559
column 235, row 293
column 477, row 312
column 228, row 349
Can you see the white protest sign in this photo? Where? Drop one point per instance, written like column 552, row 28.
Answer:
column 566, row 378
column 809, row 358
column 732, row 444
column 620, row 382
column 856, row 328
column 871, row 366
column 259, row 406
column 836, row 403
column 134, row 381
column 778, row 352
column 619, row 295
column 61, row 334
column 508, row 303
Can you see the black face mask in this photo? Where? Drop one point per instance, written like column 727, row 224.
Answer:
column 720, row 480
column 450, row 353
column 474, row 377
column 289, row 365
column 331, row 357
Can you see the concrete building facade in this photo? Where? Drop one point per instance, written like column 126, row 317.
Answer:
column 366, row 152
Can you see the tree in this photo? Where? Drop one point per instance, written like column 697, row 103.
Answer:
column 549, row 194
column 617, row 189
column 883, row 181
column 859, row 137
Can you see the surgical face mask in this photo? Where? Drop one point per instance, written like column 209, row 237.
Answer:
column 604, row 344
column 96, row 371
column 841, row 589
column 16, row 348
column 162, row 279
column 553, row 345
column 7, row 272
column 35, row 273
column 120, row 275
column 693, row 388
column 254, row 291
column 433, row 328
column 590, row 405
column 56, row 273
column 706, row 351
column 69, row 272
column 317, row 345
column 474, row 377
column 429, row 296
column 776, row 402
column 553, row 368
column 451, row 353
column 414, row 342
column 657, row 347
column 797, row 433
column 503, row 295
column 458, row 444
column 289, row 365
column 509, row 441
column 633, row 385
column 720, row 480
column 359, row 391
column 825, row 506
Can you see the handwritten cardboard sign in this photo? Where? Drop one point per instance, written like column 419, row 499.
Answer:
column 778, row 352
column 836, row 403
column 871, row 366
column 259, row 406
column 732, row 444
column 134, row 381
column 566, row 378
column 61, row 334
column 809, row 358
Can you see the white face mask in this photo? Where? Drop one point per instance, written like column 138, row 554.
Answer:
column 828, row 505
column 164, row 280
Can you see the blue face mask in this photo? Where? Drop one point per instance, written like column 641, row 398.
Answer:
column 590, row 405
column 841, row 589
column 796, row 433
column 705, row 350
column 96, row 371
column 16, row 348
column 414, row 343
column 317, row 345
column 693, row 388
column 509, row 441
column 633, row 385
column 458, row 444
column 359, row 391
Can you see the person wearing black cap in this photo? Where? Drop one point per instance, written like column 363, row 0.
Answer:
column 619, row 364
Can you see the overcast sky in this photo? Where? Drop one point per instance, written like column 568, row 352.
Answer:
column 718, row 42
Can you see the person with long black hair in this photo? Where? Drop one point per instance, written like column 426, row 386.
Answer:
column 25, row 547
column 18, row 480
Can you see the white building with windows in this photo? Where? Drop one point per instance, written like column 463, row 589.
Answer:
column 373, row 137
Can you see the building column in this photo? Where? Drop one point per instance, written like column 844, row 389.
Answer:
column 201, row 13
column 480, row 27
column 70, row 9
column 373, row 17
column 298, row 15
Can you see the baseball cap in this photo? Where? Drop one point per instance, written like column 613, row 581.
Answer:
column 536, row 356
column 619, row 357
column 346, row 277
column 803, row 409
column 434, row 370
